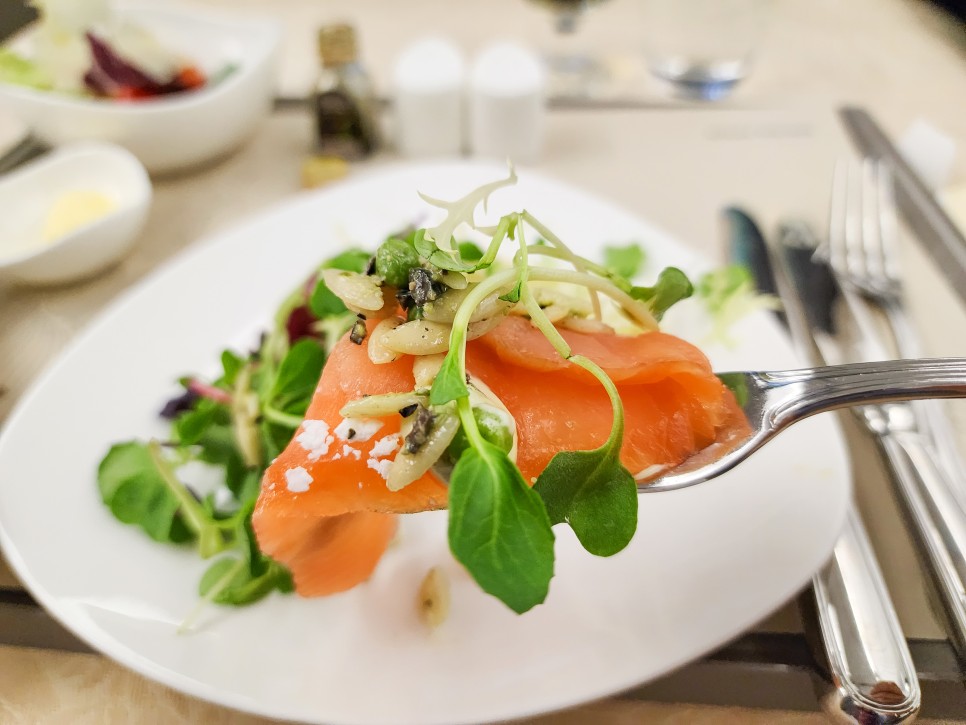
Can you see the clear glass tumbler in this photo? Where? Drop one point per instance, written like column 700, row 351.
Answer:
column 702, row 48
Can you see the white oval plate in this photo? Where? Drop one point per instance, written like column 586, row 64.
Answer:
column 706, row 564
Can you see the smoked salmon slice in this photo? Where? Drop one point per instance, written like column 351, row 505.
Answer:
column 324, row 509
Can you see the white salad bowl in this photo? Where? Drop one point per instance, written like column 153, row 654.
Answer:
column 181, row 130
column 28, row 194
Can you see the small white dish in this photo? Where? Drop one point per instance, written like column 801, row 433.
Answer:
column 173, row 132
column 28, row 195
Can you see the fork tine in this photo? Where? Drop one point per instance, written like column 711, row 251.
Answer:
column 872, row 242
column 888, row 223
column 838, row 217
column 855, row 221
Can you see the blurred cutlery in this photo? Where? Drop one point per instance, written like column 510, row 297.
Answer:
column 870, row 675
column 927, row 219
column 935, row 516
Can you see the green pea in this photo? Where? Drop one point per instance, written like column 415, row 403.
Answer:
column 394, row 259
column 492, row 428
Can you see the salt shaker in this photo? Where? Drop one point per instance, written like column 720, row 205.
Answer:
column 507, row 89
column 428, row 95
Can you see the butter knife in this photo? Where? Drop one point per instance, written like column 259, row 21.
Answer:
column 936, row 518
column 870, row 674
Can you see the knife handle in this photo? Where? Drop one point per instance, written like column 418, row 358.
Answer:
column 938, row 522
column 872, row 676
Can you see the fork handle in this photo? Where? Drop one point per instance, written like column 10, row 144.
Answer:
column 938, row 521
column 809, row 391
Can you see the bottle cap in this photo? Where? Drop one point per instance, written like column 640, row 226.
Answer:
column 337, row 44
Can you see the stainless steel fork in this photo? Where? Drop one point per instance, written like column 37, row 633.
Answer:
column 863, row 244
column 916, row 439
column 863, row 252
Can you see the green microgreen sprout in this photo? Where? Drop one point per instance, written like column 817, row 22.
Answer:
column 500, row 528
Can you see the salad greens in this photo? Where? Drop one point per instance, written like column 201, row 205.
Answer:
column 625, row 261
column 19, row 71
column 500, row 527
column 81, row 47
column 239, row 423
column 729, row 294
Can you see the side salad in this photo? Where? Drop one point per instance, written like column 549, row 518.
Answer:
column 240, row 423
column 81, row 48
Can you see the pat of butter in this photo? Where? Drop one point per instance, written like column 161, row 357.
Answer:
column 75, row 209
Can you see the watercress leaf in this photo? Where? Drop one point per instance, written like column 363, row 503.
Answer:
column 247, row 486
column 241, row 588
column 728, row 294
column 715, row 288
column 217, row 445
column 450, row 384
column 595, row 494
column 424, row 246
column 214, row 573
column 737, row 384
column 274, row 439
column 671, row 287
column 492, row 427
column 470, row 252
column 351, row 260
column 283, row 579
column 231, row 364
column 257, row 563
column 514, row 294
column 133, row 489
column 299, row 371
column 498, row 528
column 474, row 260
column 324, row 302
column 625, row 261
column 190, row 427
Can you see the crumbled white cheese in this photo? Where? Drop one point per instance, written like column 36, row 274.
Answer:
column 348, row 450
column 384, row 446
column 380, row 467
column 357, row 429
column 336, row 457
column 315, row 438
column 298, row 479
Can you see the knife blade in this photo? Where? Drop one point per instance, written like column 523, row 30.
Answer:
column 933, row 510
column 871, row 676
column 927, row 219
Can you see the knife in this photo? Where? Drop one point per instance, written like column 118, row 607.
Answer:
column 871, row 676
column 934, row 511
column 927, row 219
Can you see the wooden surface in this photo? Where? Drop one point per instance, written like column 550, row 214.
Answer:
column 676, row 168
